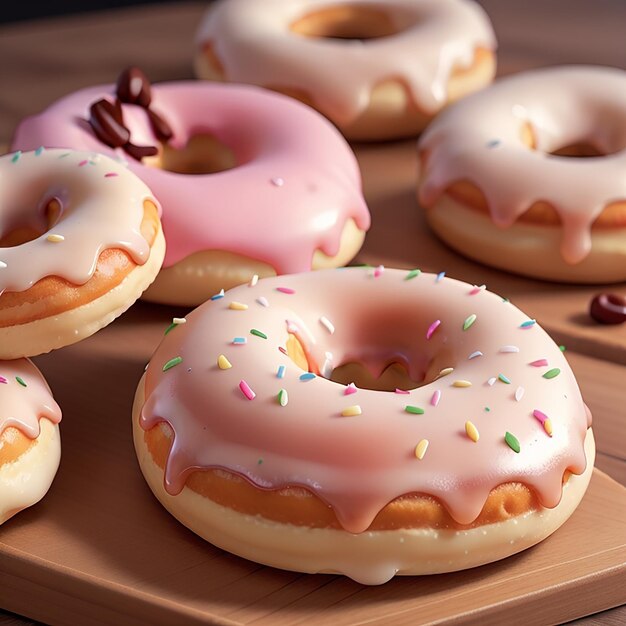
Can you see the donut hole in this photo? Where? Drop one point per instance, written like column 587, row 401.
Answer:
column 203, row 154
column 393, row 376
column 31, row 225
column 351, row 22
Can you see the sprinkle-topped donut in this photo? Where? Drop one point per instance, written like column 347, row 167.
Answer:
column 30, row 447
column 251, row 182
column 80, row 240
column 500, row 185
column 379, row 69
column 488, row 409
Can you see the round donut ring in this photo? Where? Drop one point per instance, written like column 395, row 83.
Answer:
column 500, row 185
column 488, row 453
column 377, row 69
column 80, row 240
column 287, row 197
column 30, row 446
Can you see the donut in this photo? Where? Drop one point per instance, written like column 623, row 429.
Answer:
column 500, row 185
column 30, row 446
column 80, row 240
column 251, row 182
column 368, row 422
column 379, row 69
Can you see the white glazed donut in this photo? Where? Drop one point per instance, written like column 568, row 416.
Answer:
column 379, row 69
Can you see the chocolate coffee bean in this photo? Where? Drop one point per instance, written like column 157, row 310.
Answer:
column 105, row 119
column 160, row 127
column 139, row 152
column 608, row 308
column 133, row 87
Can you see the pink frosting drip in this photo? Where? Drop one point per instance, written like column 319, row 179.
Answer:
column 22, row 406
column 247, row 209
column 479, row 140
column 359, row 464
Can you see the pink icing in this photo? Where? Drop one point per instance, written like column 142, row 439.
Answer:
column 359, row 464
column 479, row 140
column 98, row 211
column 254, row 44
column 242, row 209
column 20, row 406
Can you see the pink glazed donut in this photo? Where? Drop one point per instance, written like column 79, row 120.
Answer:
column 248, row 431
column 251, row 183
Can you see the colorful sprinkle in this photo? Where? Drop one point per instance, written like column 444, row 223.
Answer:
column 288, row 290
column 432, row 328
column 281, row 372
column 508, row 349
column 469, row 321
column 16, row 157
column 528, row 324
column 258, row 333
column 475, row 354
column 378, row 271
column 445, row 371
column 254, row 280
column 83, row 162
column 471, row 431
column 420, row 449
column 177, row 360
column 402, row 392
column 239, row 341
column 110, row 175
column 414, row 410
column 263, row 301
column 3, row 380
column 440, row 276
column 246, row 390
column 238, row 306
column 351, row 411
column 282, row 350
column 494, row 143
column 547, row 426
column 413, row 274
column 2, row 264
column 350, row 389
column 487, row 409
column 562, row 348
column 435, row 397
column 553, row 373
column 277, row 181
column 219, row 295
column 512, row 442
column 491, row 381
column 307, row 376
column 39, row 150
column 223, row 363
column 504, row 379
column 66, row 154
column 519, row 393
column 461, row 383
column 283, row 398
column 539, row 363
column 477, row 289
column 327, row 324
column 20, row 380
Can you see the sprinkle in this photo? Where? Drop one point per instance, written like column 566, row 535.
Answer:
column 351, row 411
column 238, row 306
column 53, row 238
column 494, row 143
column 327, row 368
column 519, row 393
column 170, row 328
column 472, row 431
column 260, row 462
column 477, row 289
column 378, row 271
column 504, row 379
column 413, row 274
column 402, row 392
column 487, row 409
column 83, row 162
column 461, row 383
column 281, row 372
column 508, row 349
column 16, row 156
column 110, row 175
column 491, row 381
column 420, row 449
column 2, row 264
column 475, row 354
column 528, row 324
column 432, row 328
column 283, row 398
column 254, row 280
column 440, row 276
column 219, row 295
column 436, row 397
column 505, row 300
column 562, row 348
column 20, row 380
column 445, row 371
column 469, row 321
column 539, row 363
column 3, row 380
column 281, row 349
column 512, row 442
column 547, row 426
column 258, row 333
column 414, row 410
column 66, row 154
column 307, row 376
column 39, row 150
column 277, row 182
column 553, row 373
column 263, row 301
column 350, row 389
column 239, row 341
column 327, row 324
column 287, row 290
column 245, row 389
column 223, row 363
column 177, row 360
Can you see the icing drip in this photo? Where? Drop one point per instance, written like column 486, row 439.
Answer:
column 359, row 460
